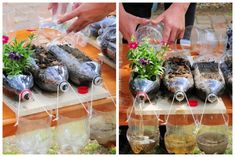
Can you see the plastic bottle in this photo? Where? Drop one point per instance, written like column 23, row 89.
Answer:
column 153, row 32
column 178, row 78
column 141, row 88
column 82, row 70
column 209, row 81
column 50, row 76
column 19, row 85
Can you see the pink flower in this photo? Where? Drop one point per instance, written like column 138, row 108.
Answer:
column 133, row 45
column 5, row 39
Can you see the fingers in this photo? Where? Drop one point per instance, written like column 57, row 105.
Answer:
column 77, row 25
column 127, row 36
column 173, row 36
column 81, row 26
column 75, row 5
column 53, row 7
column 69, row 16
column 166, row 34
column 73, row 26
column 142, row 21
column 158, row 19
column 64, row 8
column 181, row 34
column 50, row 6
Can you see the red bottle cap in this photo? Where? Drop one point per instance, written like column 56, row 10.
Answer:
column 193, row 103
column 82, row 89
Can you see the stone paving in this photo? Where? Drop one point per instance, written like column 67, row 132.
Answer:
column 216, row 18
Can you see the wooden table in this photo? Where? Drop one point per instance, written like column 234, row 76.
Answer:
column 125, row 97
column 108, row 75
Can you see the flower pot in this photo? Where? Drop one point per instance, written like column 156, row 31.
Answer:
column 178, row 78
column 82, row 70
column 209, row 82
column 212, row 137
column 140, row 87
column 180, row 137
column 48, row 72
column 143, row 133
column 18, row 85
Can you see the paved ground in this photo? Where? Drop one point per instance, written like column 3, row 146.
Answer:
column 214, row 16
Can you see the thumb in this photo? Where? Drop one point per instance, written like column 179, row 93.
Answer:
column 158, row 19
column 142, row 20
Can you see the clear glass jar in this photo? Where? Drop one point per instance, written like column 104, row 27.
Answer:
column 152, row 32
column 72, row 130
column 103, row 124
column 180, row 136
column 34, row 134
column 143, row 132
column 212, row 137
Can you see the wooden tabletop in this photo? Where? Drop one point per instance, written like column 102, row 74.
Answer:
column 108, row 75
column 125, row 97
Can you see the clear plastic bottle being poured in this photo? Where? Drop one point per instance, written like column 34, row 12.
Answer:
column 153, row 32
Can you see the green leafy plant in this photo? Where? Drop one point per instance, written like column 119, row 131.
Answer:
column 146, row 62
column 16, row 56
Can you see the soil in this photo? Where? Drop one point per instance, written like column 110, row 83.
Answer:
column 44, row 58
column 212, row 143
column 226, row 67
column 75, row 52
column 178, row 76
column 208, row 79
column 178, row 67
column 209, row 70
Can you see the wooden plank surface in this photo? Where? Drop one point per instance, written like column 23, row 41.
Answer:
column 162, row 106
column 125, row 97
column 49, row 100
column 108, row 75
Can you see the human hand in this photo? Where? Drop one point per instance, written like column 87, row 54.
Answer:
column 87, row 13
column 55, row 6
column 174, row 22
column 128, row 23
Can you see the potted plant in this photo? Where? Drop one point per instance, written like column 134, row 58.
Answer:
column 146, row 64
column 16, row 61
